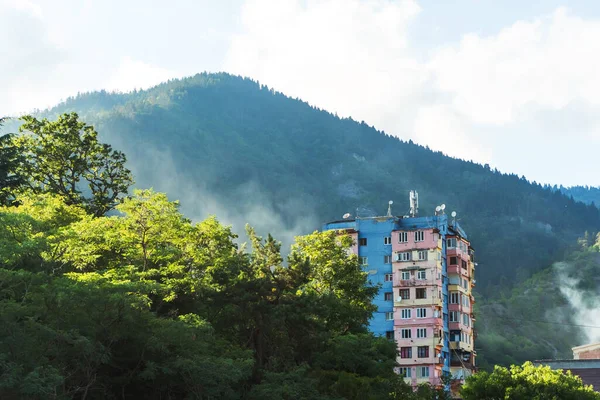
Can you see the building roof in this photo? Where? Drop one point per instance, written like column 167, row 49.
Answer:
column 586, row 347
column 587, row 370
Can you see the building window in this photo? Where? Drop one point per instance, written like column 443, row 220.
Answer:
column 421, row 332
column 421, row 313
column 453, row 316
column 405, row 275
column 388, row 277
column 406, row 334
column 423, row 351
column 404, row 294
column 405, row 256
column 465, row 284
column 387, row 259
column 454, row 297
column 419, row 236
column 363, row 260
column 389, row 335
column 422, row 372
column 422, row 275
column 362, row 241
column 421, row 293
column 453, row 260
column 465, row 300
column 389, row 296
column 402, row 237
column 405, row 352
column 422, row 255
column 405, row 313
column 389, row 316
column 463, row 264
column 466, row 320
column 387, row 240
column 404, row 371
column 451, row 243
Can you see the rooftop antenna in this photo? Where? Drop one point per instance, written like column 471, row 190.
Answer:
column 389, row 214
column 346, row 216
column 356, row 212
column 414, row 203
column 453, row 214
column 443, row 207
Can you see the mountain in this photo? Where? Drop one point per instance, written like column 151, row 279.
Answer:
column 230, row 146
column 585, row 194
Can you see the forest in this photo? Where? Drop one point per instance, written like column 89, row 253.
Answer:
column 111, row 292
column 109, row 295
column 230, row 146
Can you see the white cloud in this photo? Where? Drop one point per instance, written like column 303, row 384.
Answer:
column 134, row 74
column 329, row 52
column 548, row 62
column 488, row 98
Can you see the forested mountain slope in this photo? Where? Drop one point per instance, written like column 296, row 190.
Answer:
column 585, row 194
column 230, row 146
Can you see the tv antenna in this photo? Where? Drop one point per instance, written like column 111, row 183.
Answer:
column 389, row 213
column 453, row 214
column 414, row 203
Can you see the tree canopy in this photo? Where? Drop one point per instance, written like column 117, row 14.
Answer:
column 526, row 382
column 64, row 157
column 147, row 304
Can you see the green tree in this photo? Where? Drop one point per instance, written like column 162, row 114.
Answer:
column 93, row 339
column 526, row 382
column 10, row 158
column 64, row 157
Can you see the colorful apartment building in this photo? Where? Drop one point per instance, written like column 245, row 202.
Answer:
column 425, row 268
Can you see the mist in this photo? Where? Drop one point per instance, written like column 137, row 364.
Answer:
column 157, row 169
column 585, row 304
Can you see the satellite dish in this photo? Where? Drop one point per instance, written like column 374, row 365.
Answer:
column 453, row 214
column 443, row 207
column 347, row 215
column 390, row 202
column 438, row 209
column 399, row 298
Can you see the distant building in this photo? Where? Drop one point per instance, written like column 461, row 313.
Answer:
column 585, row 364
column 425, row 267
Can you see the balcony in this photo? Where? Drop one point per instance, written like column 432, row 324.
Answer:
column 428, row 302
column 416, row 282
column 462, row 346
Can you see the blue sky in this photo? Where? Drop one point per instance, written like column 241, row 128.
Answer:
column 510, row 83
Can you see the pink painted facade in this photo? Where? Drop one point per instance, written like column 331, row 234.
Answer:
column 431, row 240
column 418, row 302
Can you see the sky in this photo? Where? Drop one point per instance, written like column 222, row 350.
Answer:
column 510, row 83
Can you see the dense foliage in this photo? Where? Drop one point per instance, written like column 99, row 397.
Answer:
column 540, row 318
column 585, row 194
column 146, row 304
column 64, row 156
column 526, row 382
column 10, row 179
column 231, row 145
column 216, row 135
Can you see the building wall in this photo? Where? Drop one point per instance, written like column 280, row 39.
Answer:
column 593, row 354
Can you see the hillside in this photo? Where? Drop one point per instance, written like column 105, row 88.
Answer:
column 585, row 194
column 228, row 146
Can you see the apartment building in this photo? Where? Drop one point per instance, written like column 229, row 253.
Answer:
column 425, row 268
